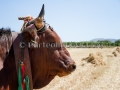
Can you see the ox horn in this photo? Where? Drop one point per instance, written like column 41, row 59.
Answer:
column 42, row 12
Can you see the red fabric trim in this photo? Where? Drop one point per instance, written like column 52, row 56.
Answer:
column 23, row 75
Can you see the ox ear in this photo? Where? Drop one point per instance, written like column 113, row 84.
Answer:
column 30, row 36
column 42, row 12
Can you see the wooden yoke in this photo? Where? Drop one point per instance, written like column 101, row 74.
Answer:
column 26, row 20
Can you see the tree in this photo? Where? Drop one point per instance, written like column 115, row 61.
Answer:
column 117, row 42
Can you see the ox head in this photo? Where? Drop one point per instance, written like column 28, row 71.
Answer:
column 50, row 58
column 60, row 62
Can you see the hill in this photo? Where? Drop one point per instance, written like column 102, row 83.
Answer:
column 102, row 39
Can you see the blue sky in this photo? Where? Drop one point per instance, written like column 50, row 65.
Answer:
column 73, row 20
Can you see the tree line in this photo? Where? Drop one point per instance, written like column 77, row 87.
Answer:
column 92, row 44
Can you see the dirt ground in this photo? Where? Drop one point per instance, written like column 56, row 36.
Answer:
column 88, row 76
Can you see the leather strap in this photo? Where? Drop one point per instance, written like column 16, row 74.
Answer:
column 17, row 51
column 43, row 29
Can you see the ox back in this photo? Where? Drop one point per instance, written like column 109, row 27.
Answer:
column 8, row 76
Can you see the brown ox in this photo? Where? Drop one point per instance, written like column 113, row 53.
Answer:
column 47, row 61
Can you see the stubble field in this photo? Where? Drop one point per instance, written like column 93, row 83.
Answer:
column 89, row 76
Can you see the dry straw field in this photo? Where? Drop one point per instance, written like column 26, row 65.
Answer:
column 97, row 69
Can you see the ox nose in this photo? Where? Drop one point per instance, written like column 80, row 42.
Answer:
column 72, row 67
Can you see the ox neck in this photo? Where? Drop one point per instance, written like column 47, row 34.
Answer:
column 40, row 67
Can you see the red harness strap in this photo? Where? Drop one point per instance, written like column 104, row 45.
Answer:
column 23, row 75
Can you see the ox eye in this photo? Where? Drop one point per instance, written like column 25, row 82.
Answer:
column 52, row 42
